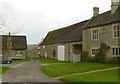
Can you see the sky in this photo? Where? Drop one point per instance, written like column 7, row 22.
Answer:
column 35, row 18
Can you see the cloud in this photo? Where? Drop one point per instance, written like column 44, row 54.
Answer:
column 35, row 18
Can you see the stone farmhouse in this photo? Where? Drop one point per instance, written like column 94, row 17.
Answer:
column 13, row 46
column 67, row 43
column 103, row 28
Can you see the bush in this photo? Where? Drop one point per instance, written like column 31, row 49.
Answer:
column 84, row 56
column 100, row 56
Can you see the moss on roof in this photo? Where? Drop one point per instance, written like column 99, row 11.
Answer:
column 104, row 19
column 66, row 34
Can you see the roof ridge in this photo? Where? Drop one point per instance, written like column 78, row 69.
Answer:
column 87, row 23
column 70, row 25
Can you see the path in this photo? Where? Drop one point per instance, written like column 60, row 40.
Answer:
column 93, row 71
column 27, row 72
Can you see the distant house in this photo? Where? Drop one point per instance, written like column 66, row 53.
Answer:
column 103, row 28
column 67, row 43
column 13, row 46
column 33, row 52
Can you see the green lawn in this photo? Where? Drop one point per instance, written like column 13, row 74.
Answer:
column 105, row 76
column 4, row 69
column 49, row 60
column 70, row 68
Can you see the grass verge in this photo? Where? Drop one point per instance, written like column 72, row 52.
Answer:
column 4, row 69
column 71, row 68
column 105, row 76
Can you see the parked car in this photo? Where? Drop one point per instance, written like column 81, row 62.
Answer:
column 5, row 60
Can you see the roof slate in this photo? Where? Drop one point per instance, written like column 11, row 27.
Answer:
column 104, row 19
column 71, row 33
column 74, row 32
column 18, row 42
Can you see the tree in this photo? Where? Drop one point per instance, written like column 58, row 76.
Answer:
column 7, row 26
column 100, row 56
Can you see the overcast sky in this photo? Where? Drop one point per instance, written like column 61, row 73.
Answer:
column 35, row 18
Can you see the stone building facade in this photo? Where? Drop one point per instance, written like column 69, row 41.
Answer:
column 68, row 39
column 70, row 49
column 13, row 46
column 86, row 36
column 103, row 28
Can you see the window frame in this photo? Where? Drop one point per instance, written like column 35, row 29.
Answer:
column 19, row 53
column 43, row 46
column 95, row 50
column 116, row 51
column 116, row 31
column 94, row 34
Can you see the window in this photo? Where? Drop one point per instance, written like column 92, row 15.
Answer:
column 94, row 51
column 43, row 46
column 95, row 34
column 38, row 47
column 116, row 31
column 45, row 54
column 19, row 53
column 116, row 51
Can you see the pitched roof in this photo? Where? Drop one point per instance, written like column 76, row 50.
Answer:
column 104, row 19
column 18, row 42
column 71, row 33
column 74, row 32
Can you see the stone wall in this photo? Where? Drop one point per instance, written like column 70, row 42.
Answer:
column 105, row 35
column 49, row 49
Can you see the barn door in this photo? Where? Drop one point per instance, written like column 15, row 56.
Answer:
column 61, row 52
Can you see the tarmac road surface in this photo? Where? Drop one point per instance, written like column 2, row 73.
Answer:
column 27, row 72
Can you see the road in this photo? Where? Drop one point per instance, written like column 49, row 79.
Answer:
column 27, row 72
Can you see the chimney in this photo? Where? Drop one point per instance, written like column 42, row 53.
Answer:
column 114, row 5
column 95, row 11
column 9, row 33
column 9, row 38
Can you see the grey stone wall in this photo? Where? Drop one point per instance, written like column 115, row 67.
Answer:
column 105, row 35
column 49, row 49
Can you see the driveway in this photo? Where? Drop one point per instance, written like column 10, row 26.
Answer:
column 27, row 72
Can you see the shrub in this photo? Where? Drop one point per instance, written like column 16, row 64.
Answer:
column 100, row 56
column 84, row 56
